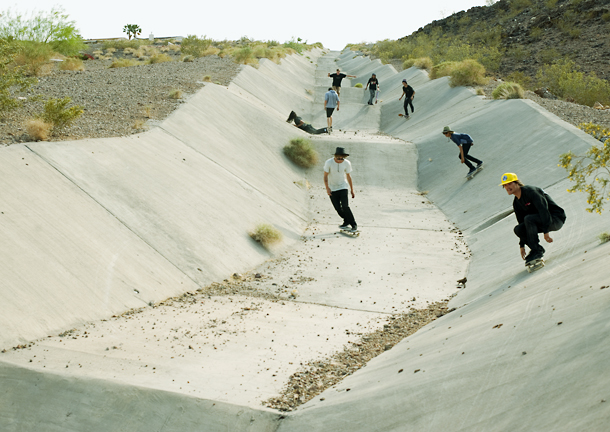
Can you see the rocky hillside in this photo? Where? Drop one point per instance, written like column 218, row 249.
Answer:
column 537, row 32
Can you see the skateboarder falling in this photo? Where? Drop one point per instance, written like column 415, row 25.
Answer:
column 536, row 212
column 464, row 142
column 336, row 179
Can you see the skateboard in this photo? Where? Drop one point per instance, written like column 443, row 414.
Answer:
column 350, row 232
column 376, row 96
column 402, row 115
column 532, row 266
column 470, row 176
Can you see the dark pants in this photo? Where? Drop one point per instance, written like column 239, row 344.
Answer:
column 408, row 103
column 529, row 229
column 467, row 157
column 341, row 204
column 310, row 129
column 372, row 93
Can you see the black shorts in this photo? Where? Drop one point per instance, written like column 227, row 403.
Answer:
column 329, row 112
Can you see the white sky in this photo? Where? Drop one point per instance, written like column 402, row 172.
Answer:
column 334, row 24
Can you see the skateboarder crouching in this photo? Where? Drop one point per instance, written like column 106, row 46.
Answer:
column 536, row 212
column 464, row 142
column 337, row 178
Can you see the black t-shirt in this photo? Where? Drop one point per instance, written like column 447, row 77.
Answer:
column 533, row 201
column 337, row 79
column 373, row 83
column 408, row 91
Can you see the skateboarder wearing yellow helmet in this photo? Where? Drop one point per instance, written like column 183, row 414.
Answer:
column 536, row 212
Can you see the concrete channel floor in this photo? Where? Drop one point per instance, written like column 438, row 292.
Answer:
column 241, row 350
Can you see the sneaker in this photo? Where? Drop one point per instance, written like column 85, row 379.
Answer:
column 480, row 165
column 344, row 227
column 533, row 256
column 354, row 228
column 471, row 172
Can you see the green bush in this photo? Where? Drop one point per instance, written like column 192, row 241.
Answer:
column 34, row 57
column 468, row 73
column 358, row 85
column 408, row 63
column 11, row 76
column 508, row 90
column 52, row 28
column 604, row 237
column 442, row 69
column 301, row 152
column 192, row 45
column 56, row 113
column 245, row 55
column 520, row 78
column 423, row 63
column 565, row 80
column 590, row 172
column 267, row 235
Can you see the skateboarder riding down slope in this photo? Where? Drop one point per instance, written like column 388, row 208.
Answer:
column 536, row 212
column 336, row 179
column 464, row 142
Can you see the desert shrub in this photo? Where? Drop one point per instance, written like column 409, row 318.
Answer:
column 406, row 64
column 599, row 132
column 301, row 152
column 12, row 76
column 549, row 55
column 192, row 45
column 207, row 78
column 480, row 91
column 298, row 45
column 508, row 90
column 520, row 78
column 34, row 58
column 267, row 235
column 123, row 63
column 423, row 63
column 110, row 50
column 442, row 69
column 604, row 237
column 550, row 4
column 52, row 28
column 38, row 129
column 175, row 94
column 536, row 33
column 57, row 113
column 159, row 58
column 467, row 73
column 73, row 64
column 606, row 16
column 358, row 85
column 211, row 50
column 565, row 80
column 122, row 44
column 188, row 58
column 589, row 172
column 245, row 55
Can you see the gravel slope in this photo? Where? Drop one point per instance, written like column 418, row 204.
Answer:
column 115, row 100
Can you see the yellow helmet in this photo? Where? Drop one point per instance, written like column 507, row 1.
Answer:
column 508, row 178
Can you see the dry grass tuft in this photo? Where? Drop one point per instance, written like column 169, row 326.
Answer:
column 159, row 58
column 188, row 58
column 301, row 152
column 267, row 235
column 604, row 237
column 508, row 90
column 38, row 129
column 72, row 64
column 207, row 78
column 442, row 69
column 175, row 94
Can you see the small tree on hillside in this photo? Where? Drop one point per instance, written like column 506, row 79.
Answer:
column 132, row 30
column 591, row 172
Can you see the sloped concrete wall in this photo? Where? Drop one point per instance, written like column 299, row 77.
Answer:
column 521, row 351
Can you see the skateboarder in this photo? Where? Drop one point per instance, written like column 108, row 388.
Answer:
column 409, row 94
column 536, row 212
column 374, row 86
column 298, row 122
column 331, row 101
column 337, row 178
column 464, row 142
column 337, row 78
